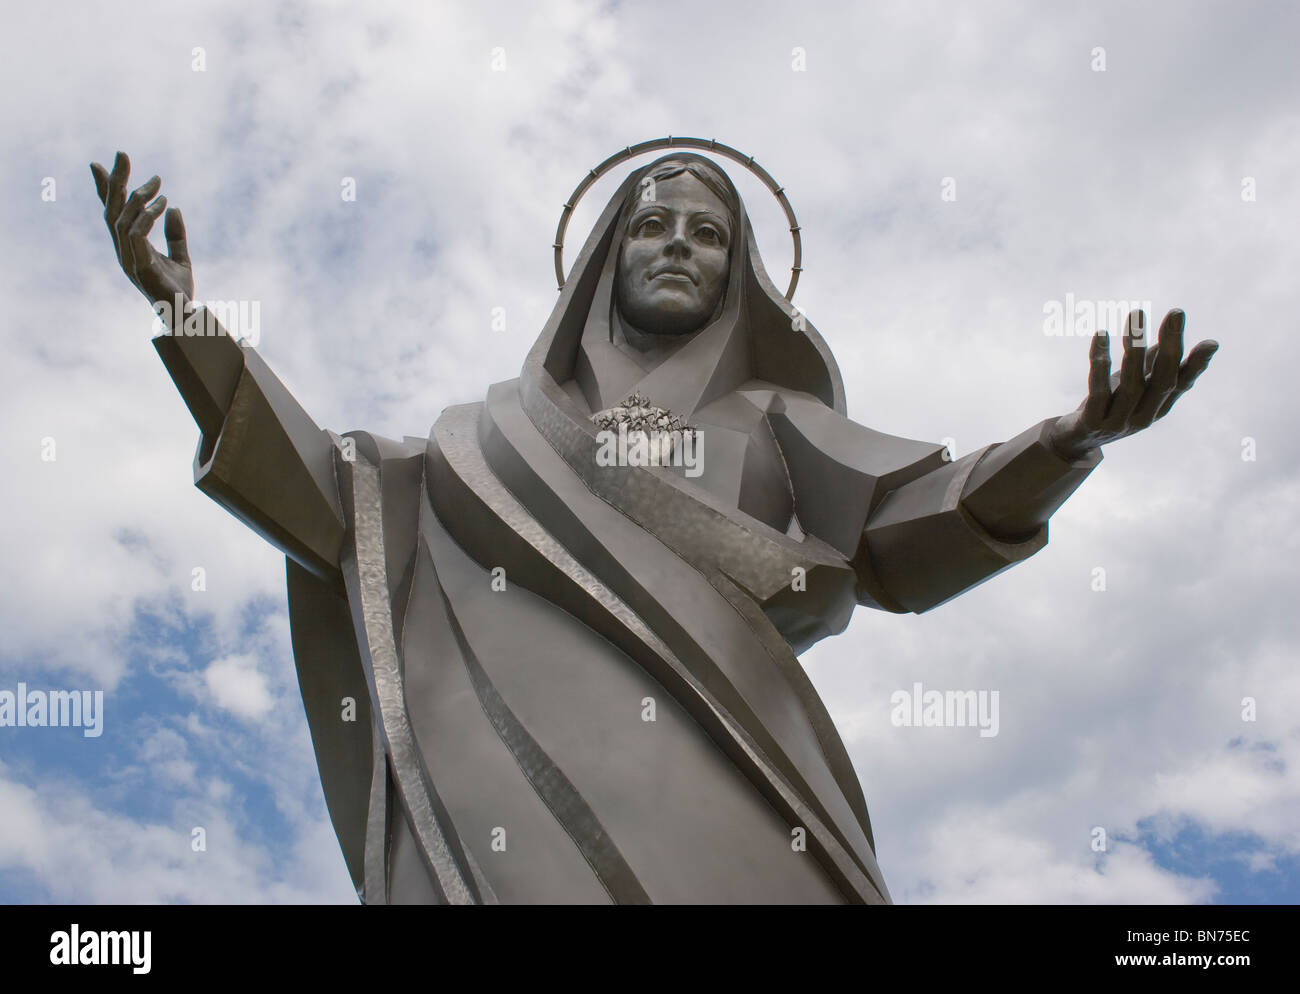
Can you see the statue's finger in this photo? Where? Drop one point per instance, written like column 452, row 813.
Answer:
column 1163, row 363
column 101, row 181
column 178, row 249
column 1094, row 408
column 130, row 211
column 116, row 196
column 1171, row 325
column 135, row 203
column 140, row 228
column 117, row 188
column 1197, row 360
column 1192, row 367
column 102, row 187
column 1132, row 380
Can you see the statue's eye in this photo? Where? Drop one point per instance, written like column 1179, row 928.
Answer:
column 708, row 234
column 650, row 226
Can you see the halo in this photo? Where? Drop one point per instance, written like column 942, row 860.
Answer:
column 654, row 145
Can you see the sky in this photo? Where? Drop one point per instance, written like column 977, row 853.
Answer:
column 960, row 172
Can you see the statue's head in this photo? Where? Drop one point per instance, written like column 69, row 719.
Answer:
column 675, row 252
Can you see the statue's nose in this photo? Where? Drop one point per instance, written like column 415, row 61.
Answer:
column 678, row 246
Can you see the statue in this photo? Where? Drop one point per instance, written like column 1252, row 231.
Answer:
column 569, row 618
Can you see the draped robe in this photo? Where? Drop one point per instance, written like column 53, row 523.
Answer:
column 579, row 683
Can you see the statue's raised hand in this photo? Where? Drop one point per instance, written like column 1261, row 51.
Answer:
column 159, row 277
column 1143, row 391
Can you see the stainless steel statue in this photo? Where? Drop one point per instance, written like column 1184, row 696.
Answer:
column 575, row 668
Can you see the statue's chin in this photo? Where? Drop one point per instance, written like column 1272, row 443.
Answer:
column 662, row 320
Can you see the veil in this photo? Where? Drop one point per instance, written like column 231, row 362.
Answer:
column 758, row 334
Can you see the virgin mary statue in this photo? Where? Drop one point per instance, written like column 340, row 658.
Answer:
column 533, row 674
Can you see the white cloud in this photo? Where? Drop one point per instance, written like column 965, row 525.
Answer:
column 165, row 752
column 84, row 853
column 237, row 685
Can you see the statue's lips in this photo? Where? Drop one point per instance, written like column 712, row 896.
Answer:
column 673, row 275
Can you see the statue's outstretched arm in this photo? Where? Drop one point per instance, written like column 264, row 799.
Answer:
column 944, row 532
column 260, row 455
column 954, row 527
column 896, row 508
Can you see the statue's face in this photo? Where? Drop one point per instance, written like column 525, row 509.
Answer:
column 672, row 268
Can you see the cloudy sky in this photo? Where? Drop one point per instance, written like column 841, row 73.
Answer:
column 1111, row 153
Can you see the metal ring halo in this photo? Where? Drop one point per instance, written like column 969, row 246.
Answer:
column 654, row 145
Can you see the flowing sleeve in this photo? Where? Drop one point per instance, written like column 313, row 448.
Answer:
column 260, row 455
column 955, row 527
column 919, row 528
